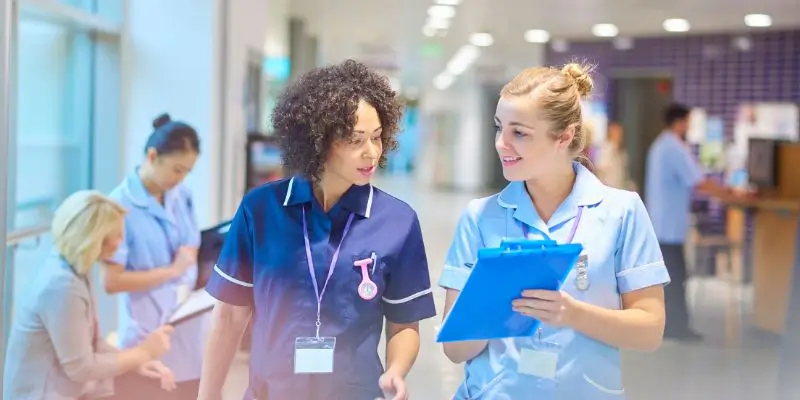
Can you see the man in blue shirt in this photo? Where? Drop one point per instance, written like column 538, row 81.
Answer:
column 672, row 176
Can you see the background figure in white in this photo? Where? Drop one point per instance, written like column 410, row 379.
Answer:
column 612, row 160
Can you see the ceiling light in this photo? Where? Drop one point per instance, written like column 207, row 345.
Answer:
column 443, row 81
column 537, row 36
column 448, row 2
column 463, row 58
column 676, row 25
column 605, row 30
column 481, row 39
column 758, row 20
column 441, row 12
column 429, row 31
column 439, row 23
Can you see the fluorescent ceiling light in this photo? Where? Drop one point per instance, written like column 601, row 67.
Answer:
column 443, row 81
column 448, row 2
column 463, row 58
column 605, row 30
column 441, row 12
column 758, row 20
column 676, row 25
column 537, row 36
column 481, row 39
column 429, row 31
column 439, row 23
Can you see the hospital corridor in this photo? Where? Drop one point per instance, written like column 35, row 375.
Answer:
column 399, row 200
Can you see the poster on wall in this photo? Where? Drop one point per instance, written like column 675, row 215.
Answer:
column 712, row 147
column 778, row 121
column 697, row 126
column 595, row 115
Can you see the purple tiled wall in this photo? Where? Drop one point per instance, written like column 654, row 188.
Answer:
column 708, row 71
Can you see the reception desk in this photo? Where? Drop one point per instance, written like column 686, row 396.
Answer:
column 775, row 222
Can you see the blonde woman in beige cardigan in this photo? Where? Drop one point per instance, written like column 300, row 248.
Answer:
column 55, row 351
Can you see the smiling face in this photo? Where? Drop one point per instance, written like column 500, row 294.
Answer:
column 525, row 142
column 354, row 160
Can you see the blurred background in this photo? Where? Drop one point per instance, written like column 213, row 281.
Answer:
column 80, row 81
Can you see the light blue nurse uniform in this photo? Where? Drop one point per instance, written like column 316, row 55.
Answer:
column 622, row 255
column 153, row 234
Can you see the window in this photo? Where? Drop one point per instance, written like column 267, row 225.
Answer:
column 54, row 102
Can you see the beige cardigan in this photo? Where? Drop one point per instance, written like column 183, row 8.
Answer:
column 54, row 349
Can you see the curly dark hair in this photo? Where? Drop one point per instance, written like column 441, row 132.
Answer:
column 319, row 109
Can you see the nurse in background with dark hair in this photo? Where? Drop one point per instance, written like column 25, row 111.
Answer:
column 155, row 267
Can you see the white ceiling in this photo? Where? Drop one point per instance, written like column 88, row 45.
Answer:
column 344, row 26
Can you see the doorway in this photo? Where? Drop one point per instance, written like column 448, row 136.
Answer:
column 638, row 103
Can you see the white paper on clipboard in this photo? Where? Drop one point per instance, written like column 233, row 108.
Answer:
column 198, row 302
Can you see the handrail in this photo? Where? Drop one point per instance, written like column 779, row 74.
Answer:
column 18, row 236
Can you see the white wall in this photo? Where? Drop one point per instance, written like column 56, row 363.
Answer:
column 188, row 58
column 168, row 59
column 247, row 24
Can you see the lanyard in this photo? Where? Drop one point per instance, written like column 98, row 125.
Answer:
column 311, row 271
column 571, row 232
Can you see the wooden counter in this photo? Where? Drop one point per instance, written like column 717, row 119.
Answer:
column 775, row 228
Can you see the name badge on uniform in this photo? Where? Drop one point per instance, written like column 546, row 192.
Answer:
column 540, row 363
column 314, row 355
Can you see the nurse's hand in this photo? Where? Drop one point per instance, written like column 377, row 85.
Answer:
column 393, row 386
column 157, row 343
column 157, row 370
column 551, row 307
column 185, row 258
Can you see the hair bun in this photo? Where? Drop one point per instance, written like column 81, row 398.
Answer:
column 580, row 75
column 161, row 120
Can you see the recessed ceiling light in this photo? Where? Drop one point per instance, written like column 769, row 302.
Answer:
column 481, row 39
column 605, row 30
column 757, row 20
column 537, row 36
column 448, row 2
column 441, row 12
column 676, row 25
column 429, row 31
column 443, row 81
column 438, row 23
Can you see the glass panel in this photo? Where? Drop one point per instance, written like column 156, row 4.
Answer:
column 53, row 140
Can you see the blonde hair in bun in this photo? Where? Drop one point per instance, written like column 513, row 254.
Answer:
column 558, row 94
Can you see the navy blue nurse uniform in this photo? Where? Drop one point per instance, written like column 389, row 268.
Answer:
column 264, row 264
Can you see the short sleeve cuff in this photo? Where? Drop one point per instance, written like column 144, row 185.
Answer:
column 643, row 276
column 454, row 277
column 413, row 308
column 119, row 258
column 229, row 290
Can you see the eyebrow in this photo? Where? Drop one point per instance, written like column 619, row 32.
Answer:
column 512, row 123
column 376, row 130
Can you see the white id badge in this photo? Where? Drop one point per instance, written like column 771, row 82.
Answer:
column 314, row 355
column 541, row 363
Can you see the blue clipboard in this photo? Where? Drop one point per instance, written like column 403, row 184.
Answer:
column 483, row 309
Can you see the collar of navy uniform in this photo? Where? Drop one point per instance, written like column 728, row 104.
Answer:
column 357, row 199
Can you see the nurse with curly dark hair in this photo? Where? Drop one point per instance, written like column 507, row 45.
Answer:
column 321, row 259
